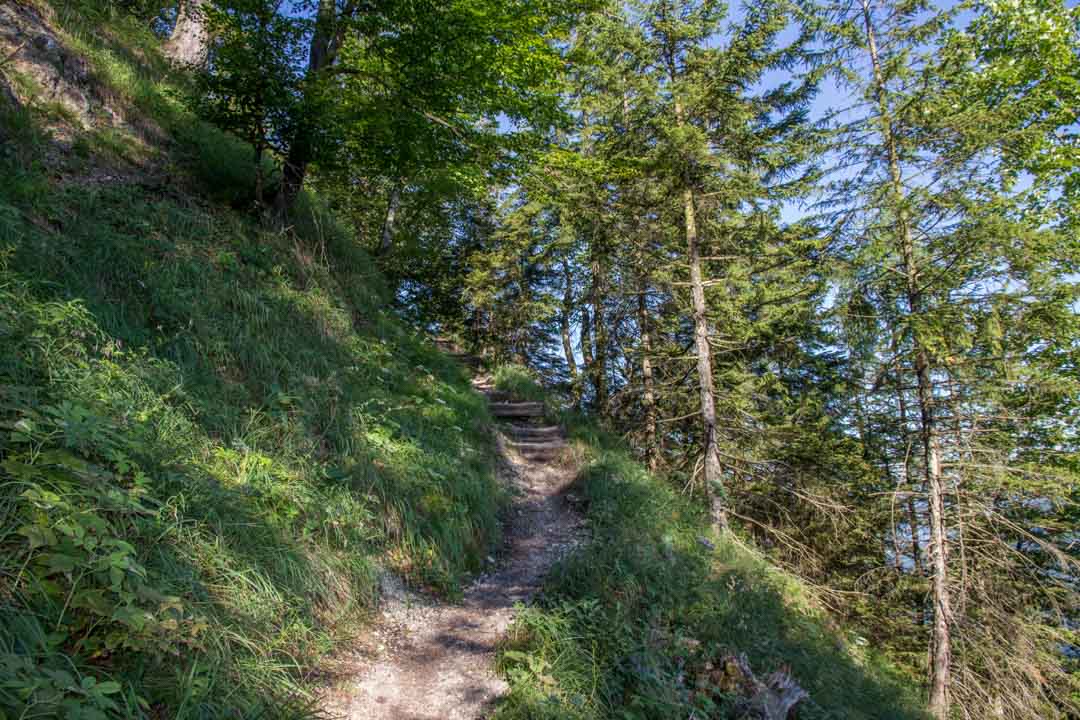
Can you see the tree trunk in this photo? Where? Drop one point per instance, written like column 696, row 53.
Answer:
column 941, row 646
column 941, row 650
column 189, row 43
column 600, row 332
column 585, row 333
column 302, row 143
column 648, row 396
column 564, row 326
column 714, row 482
column 392, row 205
column 913, row 517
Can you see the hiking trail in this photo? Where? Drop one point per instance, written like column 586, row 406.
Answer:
column 427, row 659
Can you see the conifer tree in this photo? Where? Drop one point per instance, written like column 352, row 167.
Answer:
column 940, row 241
column 726, row 153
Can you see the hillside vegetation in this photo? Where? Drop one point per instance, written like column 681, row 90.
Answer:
column 642, row 621
column 212, row 435
column 330, row 331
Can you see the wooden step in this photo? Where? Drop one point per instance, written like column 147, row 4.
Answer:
column 533, row 432
column 496, row 396
column 534, row 447
column 542, row 455
column 517, row 409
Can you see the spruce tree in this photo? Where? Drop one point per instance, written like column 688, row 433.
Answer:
column 941, row 241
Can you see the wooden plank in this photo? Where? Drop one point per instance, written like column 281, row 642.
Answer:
column 525, row 409
column 525, row 447
column 526, row 432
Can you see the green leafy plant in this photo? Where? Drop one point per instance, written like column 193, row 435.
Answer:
column 519, row 383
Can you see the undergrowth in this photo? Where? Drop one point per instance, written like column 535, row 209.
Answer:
column 519, row 383
column 212, row 435
column 635, row 624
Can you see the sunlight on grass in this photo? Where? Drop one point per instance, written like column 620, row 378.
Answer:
column 631, row 624
column 519, row 383
column 212, row 435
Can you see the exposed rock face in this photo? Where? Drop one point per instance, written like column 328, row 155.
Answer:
column 189, row 43
column 38, row 67
column 41, row 69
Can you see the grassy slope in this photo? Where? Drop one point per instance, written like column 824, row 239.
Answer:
column 210, row 434
column 635, row 625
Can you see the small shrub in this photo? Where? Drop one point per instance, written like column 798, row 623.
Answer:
column 519, row 383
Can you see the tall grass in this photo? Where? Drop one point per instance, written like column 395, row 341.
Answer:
column 635, row 623
column 519, row 383
column 212, row 434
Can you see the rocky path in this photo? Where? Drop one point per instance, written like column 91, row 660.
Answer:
column 433, row 660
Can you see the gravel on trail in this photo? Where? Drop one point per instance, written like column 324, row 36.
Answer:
column 433, row 660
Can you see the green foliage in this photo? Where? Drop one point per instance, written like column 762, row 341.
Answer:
column 423, row 84
column 20, row 146
column 518, row 382
column 211, row 435
column 252, row 90
column 1014, row 84
column 631, row 625
column 114, row 11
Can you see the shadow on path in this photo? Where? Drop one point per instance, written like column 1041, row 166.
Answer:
column 434, row 661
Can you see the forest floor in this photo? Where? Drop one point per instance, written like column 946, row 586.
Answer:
column 428, row 659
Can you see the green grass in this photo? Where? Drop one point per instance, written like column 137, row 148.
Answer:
column 629, row 626
column 249, row 421
column 519, row 383
column 212, row 434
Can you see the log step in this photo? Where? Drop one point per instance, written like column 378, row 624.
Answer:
column 517, row 410
column 495, row 396
column 535, row 433
column 541, row 455
column 538, row 447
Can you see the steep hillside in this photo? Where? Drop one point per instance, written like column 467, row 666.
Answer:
column 212, row 435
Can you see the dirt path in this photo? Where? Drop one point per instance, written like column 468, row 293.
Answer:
column 434, row 661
